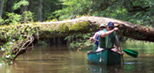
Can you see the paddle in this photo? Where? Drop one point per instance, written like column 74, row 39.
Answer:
column 131, row 52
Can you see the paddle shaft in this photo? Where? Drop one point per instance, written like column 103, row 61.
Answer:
column 120, row 51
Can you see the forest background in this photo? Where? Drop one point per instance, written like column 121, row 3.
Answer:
column 24, row 11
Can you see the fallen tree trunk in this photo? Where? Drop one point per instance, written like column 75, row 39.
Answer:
column 90, row 23
column 82, row 25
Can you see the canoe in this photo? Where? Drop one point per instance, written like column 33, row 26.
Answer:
column 107, row 57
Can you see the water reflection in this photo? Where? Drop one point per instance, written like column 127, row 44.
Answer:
column 104, row 68
column 62, row 60
column 132, row 63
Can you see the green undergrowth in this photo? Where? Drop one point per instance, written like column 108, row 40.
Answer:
column 13, row 37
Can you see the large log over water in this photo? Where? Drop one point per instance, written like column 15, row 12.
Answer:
column 51, row 30
column 90, row 23
column 78, row 25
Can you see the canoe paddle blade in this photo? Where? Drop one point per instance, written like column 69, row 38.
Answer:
column 131, row 52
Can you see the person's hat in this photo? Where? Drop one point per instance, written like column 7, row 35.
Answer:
column 102, row 25
column 111, row 24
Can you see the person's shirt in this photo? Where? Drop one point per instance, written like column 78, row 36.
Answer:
column 99, row 32
column 97, row 42
column 108, row 41
column 96, row 35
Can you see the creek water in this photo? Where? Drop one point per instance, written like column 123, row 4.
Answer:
column 59, row 59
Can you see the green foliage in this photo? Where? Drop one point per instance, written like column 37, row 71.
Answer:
column 7, row 48
column 18, row 6
column 73, row 8
column 135, row 11
column 28, row 16
column 1, row 20
column 141, row 12
column 16, row 36
column 51, row 6
column 20, row 3
column 14, row 18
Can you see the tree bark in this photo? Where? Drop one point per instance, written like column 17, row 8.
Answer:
column 40, row 7
column 9, row 5
column 1, row 7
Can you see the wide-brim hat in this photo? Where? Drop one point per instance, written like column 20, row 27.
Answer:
column 102, row 25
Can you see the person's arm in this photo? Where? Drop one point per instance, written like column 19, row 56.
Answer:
column 108, row 32
column 94, row 38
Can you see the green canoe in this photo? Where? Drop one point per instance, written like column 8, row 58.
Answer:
column 107, row 57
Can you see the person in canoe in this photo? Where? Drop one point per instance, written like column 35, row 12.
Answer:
column 108, row 39
column 95, row 38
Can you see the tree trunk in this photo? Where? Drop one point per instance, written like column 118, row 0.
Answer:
column 86, row 25
column 127, row 29
column 30, row 5
column 44, row 10
column 1, row 7
column 9, row 5
column 40, row 7
column 24, row 8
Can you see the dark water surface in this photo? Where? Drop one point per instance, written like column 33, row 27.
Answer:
column 61, row 60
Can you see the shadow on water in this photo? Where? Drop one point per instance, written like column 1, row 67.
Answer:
column 93, row 68
column 131, row 65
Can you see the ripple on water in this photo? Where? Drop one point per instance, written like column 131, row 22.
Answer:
column 132, row 62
